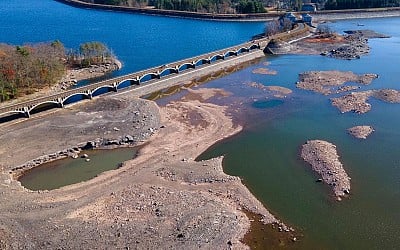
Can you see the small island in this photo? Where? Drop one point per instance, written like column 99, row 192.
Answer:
column 324, row 160
column 361, row 132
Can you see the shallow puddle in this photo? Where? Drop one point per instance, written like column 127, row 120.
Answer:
column 68, row 171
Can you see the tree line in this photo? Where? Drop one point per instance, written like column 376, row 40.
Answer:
column 360, row 4
column 28, row 68
column 202, row 6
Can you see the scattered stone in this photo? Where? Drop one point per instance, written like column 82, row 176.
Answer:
column 360, row 132
column 357, row 101
column 87, row 160
column 324, row 160
column 85, row 156
column 324, row 82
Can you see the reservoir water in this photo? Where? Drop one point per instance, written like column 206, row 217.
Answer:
column 266, row 153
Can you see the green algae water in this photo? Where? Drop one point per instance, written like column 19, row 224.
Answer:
column 266, row 154
column 68, row 171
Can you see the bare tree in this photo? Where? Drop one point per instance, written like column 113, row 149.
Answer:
column 272, row 27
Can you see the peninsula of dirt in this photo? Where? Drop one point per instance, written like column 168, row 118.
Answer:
column 361, row 132
column 350, row 46
column 324, row 160
column 160, row 199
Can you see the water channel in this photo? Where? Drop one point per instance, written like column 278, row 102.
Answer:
column 266, row 153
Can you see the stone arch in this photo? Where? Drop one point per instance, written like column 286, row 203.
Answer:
column 201, row 62
column 241, row 50
column 188, row 66
column 98, row 91
column 127, row 83
column 254, row 46
column 168, row 71
column 152, row 75
column 70, row 97
column 216, row 57
column 42, row 106
column 230, row 53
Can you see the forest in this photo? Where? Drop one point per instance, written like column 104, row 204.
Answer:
column 28, row 68
column 202, row 6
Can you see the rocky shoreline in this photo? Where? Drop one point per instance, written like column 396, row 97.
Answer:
column 75, row 75
column 324, row 160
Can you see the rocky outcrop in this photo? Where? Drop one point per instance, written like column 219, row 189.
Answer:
column 329, row 82
column 323, row 158
column 361, row 132
column 357, row 101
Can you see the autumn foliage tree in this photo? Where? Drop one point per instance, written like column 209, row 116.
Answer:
column 24, row 69
column 28, row 68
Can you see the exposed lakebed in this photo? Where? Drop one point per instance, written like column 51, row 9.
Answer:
column 265, row 155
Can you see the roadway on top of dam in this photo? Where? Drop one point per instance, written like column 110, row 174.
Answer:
column 24, row 109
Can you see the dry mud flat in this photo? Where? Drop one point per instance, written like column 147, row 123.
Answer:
column 361, row 132
column 323, row 158
column 161, row 199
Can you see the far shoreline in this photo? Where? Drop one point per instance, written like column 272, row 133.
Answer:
column 324, row 15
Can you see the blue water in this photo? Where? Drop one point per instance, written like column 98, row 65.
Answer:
column 265, row 154
column 139, row 41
